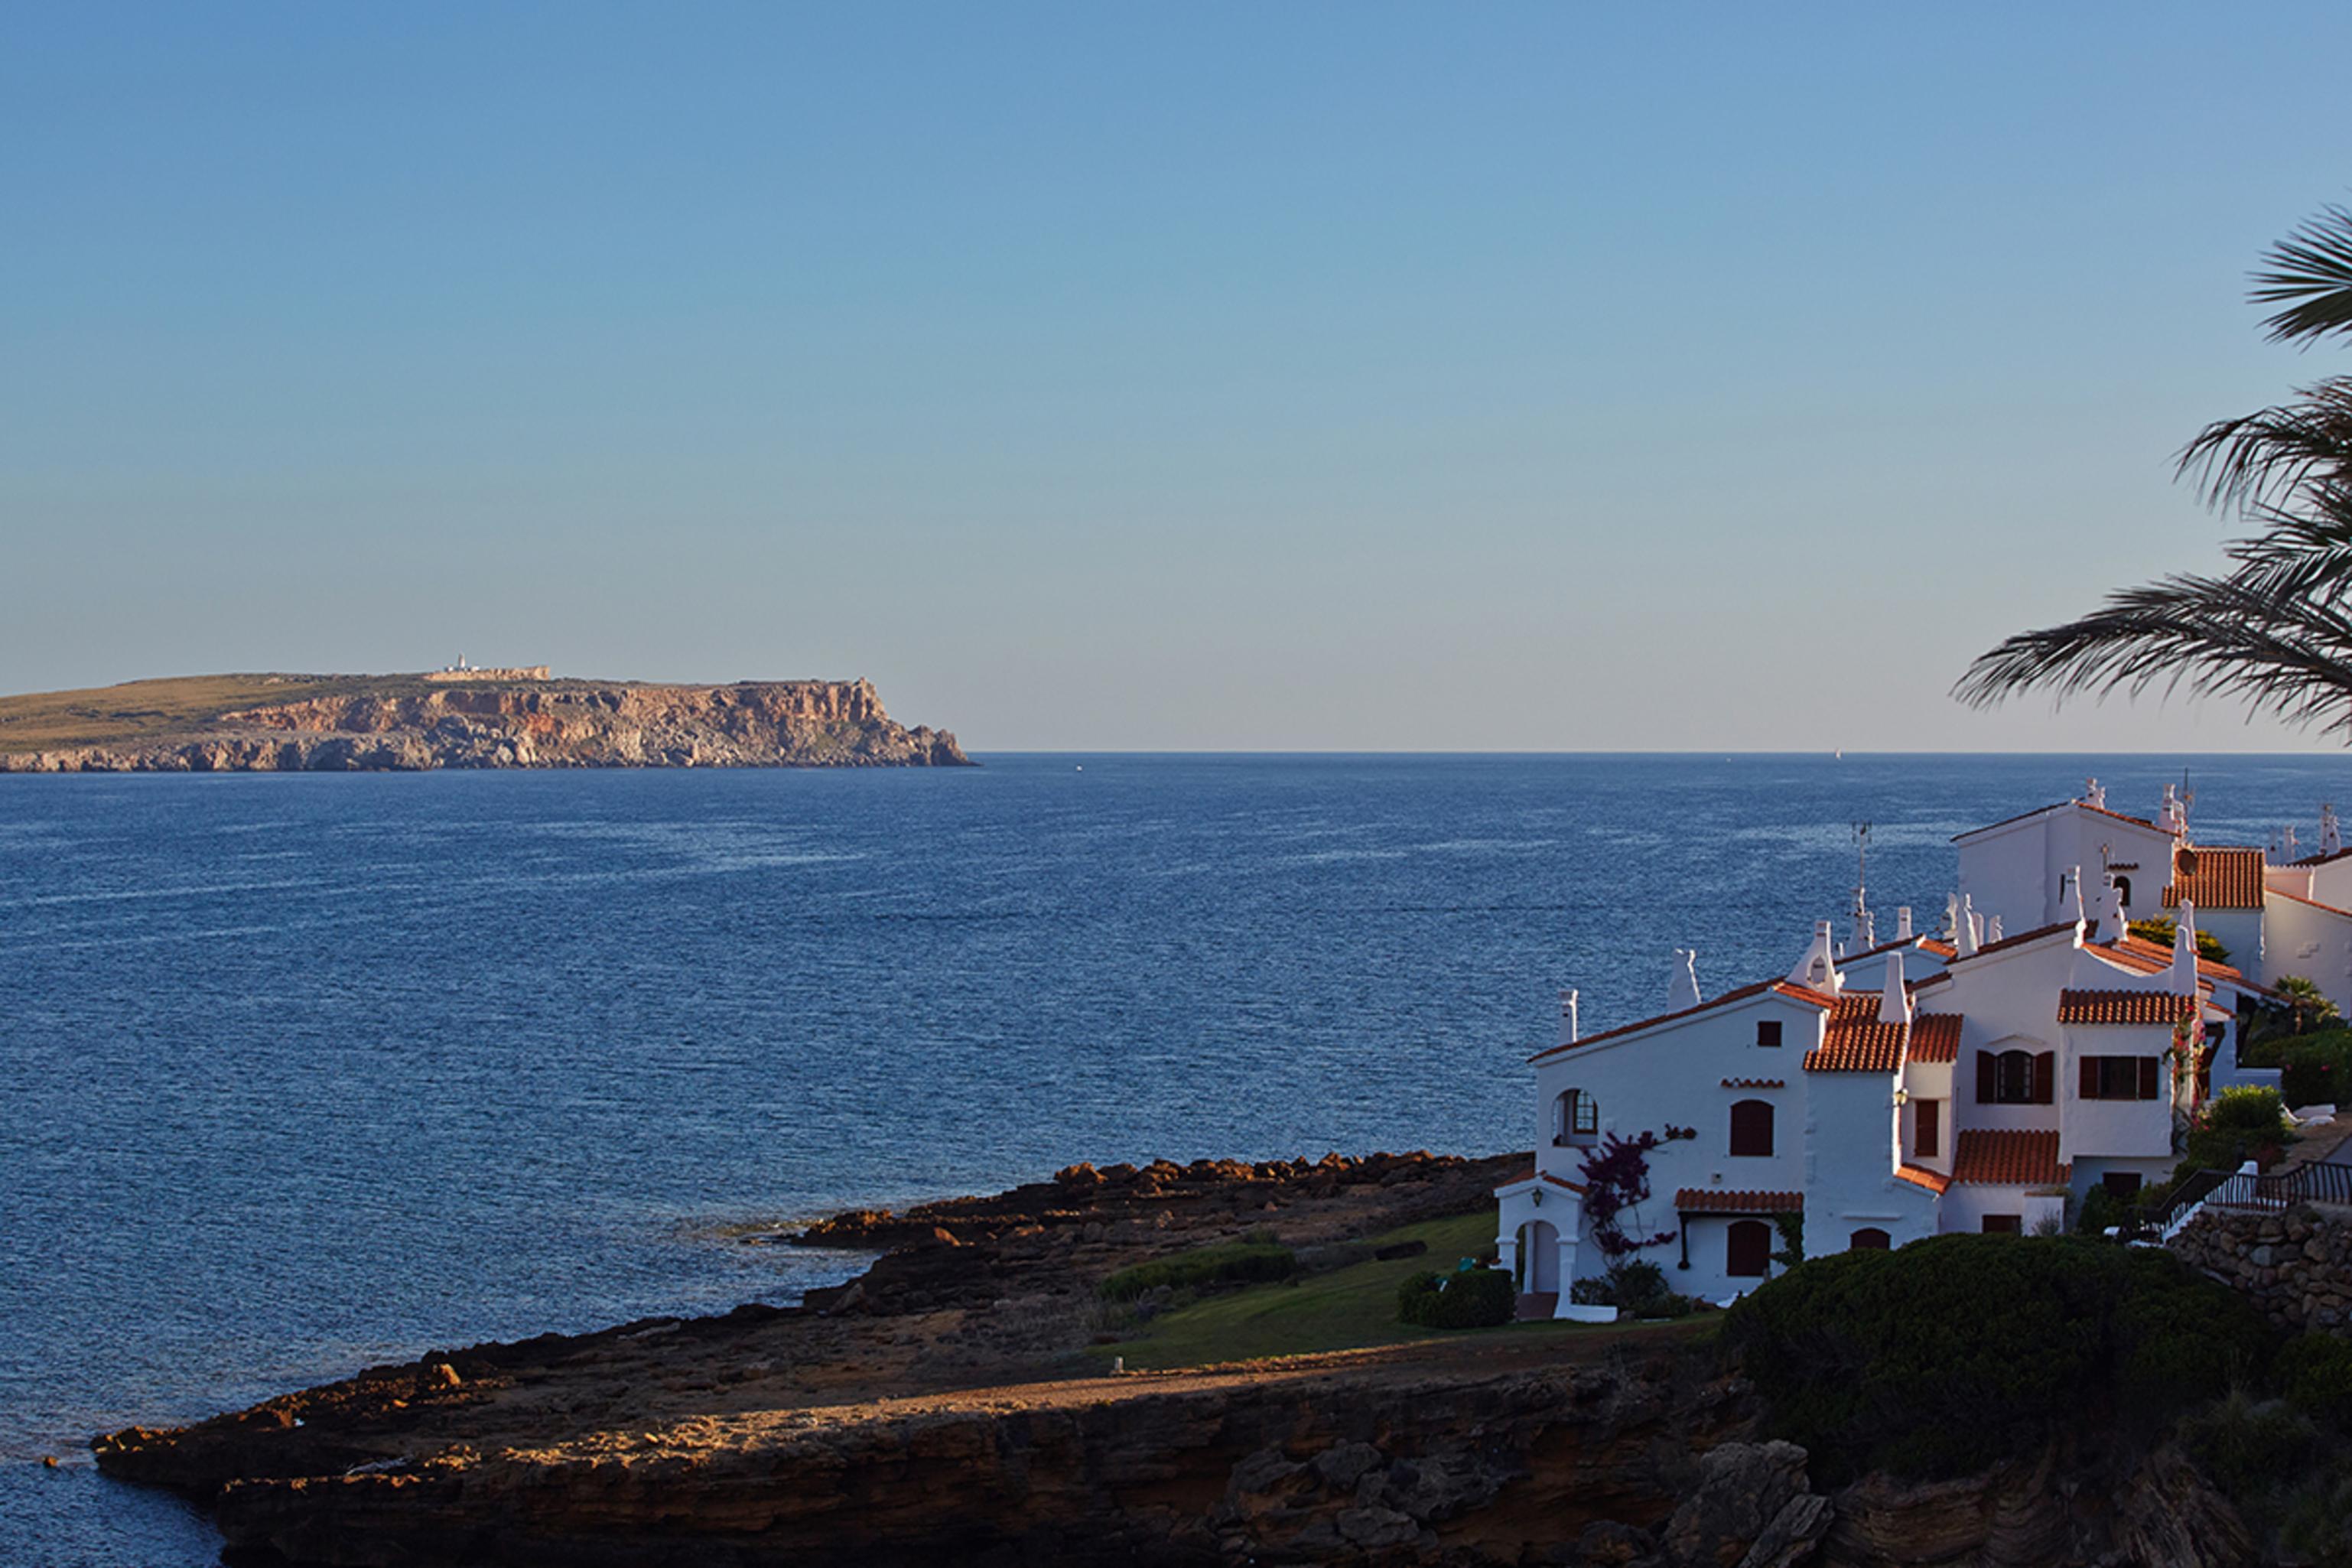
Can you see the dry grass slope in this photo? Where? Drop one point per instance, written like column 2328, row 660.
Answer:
column 141, row 711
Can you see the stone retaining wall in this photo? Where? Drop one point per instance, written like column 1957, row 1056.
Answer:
column 2296, row 1266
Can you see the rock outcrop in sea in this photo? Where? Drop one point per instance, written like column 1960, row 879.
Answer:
column 413, row 724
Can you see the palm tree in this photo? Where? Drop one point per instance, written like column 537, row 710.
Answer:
column 2275, row 627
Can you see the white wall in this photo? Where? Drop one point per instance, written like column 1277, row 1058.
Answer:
column 2092, row 1129
column 2306, row 939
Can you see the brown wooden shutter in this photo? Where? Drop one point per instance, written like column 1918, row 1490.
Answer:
column 1751, row 1127
column 2045, row 1078
column 1987, row 1077
column 1748, row 1249
column 1928, row 1128
column 2086, row 1077
column 2151, row 1088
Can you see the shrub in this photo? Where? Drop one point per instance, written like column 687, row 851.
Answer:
column 2314, row 1372
column 1940, row 1357
column 2245, row 1444
column 2318, row 1069
column 2098, row 1211
column 1465, row 1299
column 1637, row 1286
column 2160, row 929
column 1224, row 1263
column 2238, row 1124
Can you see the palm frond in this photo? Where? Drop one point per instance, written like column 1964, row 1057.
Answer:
column 2187, row 634
column 2310, row 272
column 2262, row 459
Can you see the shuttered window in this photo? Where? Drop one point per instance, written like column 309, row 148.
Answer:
column 1748, row 1249
column 2017, row 1077
column 2119, row 1078
column 1928, row 1129
column 1751, row 1127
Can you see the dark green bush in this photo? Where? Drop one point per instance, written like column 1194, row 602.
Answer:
column 2249, row 1108
column 2314, row 1372
column 2318, row 1069
column 1941, row 1357
column 2244, row 1445
column 2161, row 930
column 2098, row 1211
column 1225, row 1263
column 1465, row 1299
column 1637, row 1287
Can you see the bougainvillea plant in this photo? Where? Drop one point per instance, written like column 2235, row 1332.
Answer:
column 1616, row 1175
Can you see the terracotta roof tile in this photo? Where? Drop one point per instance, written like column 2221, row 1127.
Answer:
column 2225, row 879
column 2124, row 1007
column 1935, row 1037
column 2148, row 957
column 1939, row 947
column 1856, row 1041
column 2006, row 1159
column 1795, row 992
column 1920, row 1176
column 1716, row 1200
column 1547, row 1177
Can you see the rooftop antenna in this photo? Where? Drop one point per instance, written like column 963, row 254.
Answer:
column 1865, row 936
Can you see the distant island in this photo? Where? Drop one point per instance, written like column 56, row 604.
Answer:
column 459, row 717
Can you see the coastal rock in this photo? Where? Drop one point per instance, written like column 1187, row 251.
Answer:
column 411, row 723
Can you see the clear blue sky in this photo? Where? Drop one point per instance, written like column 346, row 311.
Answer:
column 1197, row 376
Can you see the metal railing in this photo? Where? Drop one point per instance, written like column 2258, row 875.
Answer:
column 2318, row 1182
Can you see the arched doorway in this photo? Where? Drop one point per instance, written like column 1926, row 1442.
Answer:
column 1538, row 1256
column 1869, row 1238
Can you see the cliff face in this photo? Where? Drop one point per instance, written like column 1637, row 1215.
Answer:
column 418, row 725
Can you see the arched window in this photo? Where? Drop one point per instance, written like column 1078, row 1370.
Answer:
column 1869, row 1238
column 1751, row 1127
column 2016, row 1078
column 1576, row 1117
column 1748, row 1249
column 2123, row 885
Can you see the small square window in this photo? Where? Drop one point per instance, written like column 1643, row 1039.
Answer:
column 1767, row 1032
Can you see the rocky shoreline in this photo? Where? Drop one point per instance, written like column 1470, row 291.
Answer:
column 945, row 1406
column 413, row 724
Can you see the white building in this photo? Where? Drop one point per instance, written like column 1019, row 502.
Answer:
column 1972, row 1080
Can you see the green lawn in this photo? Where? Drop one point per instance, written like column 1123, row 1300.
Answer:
column 1346, row 1309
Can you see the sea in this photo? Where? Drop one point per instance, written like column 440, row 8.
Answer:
column 301, row 1074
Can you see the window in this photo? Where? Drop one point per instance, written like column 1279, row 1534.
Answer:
column 2016, row 1078
column 2120, row 1078
column 1576, row 1117
column 1767, row 1032
column 1869, row 1238
column 1748, row 1249
column 2004, row 1225
column 2123, row 885
column 1928, row 1128
column 1751, row 1127
column 2122, row 1186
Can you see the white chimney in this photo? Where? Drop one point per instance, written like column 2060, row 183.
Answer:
column 1894, row 1000
column 2073, row 909
column 2111, row 911
column 1903, row 922
column 2331, row 836
column 2092, row 795
column 1818, row 968
column 1967, row 934
column 1567, row 1017
column 1682, row 989
column 2182, row 977
column 1866, row 931
column 1992, row 929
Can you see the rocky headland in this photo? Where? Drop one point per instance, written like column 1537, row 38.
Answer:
column 952, row 1404
column 340, row 723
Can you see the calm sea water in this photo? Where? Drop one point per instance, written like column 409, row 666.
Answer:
column 303, row 1073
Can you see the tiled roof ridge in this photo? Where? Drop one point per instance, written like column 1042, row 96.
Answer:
column 1743, row 1201
column 2058, row 805
column 2107, row 1006
column 2038, row 933
column 1920, row 1176
column 1821, row 999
